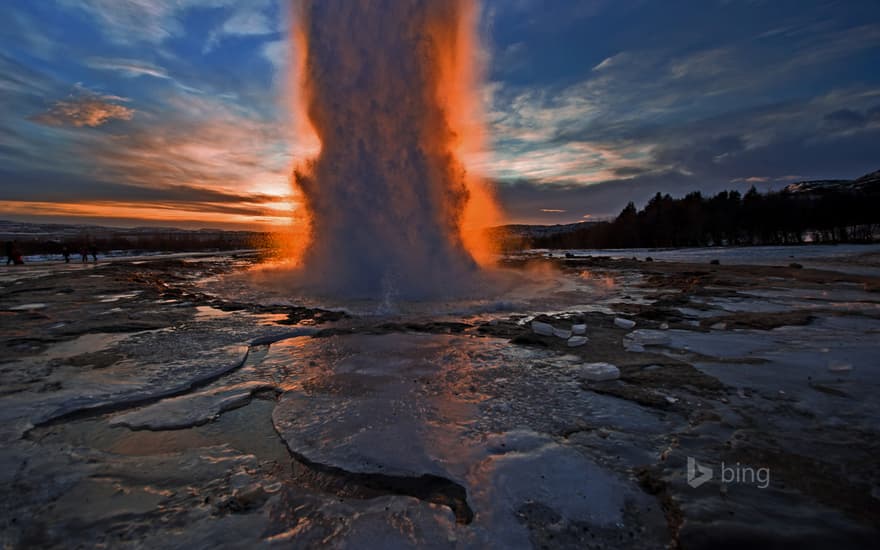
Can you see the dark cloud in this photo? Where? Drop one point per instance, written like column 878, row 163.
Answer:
column 63, row 187
column 845, row 119
column 628, row 171
column 706, row 165
column 527, row 200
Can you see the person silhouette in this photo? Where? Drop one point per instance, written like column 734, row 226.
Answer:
column 16, row 255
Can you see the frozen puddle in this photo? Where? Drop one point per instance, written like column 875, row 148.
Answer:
column 826, row 369
column 395, row 407
column 395, row 440
column 190, row 410
column 834, row 297
column 174, row 369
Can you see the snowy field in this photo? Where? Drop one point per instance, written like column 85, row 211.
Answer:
column 826, row 256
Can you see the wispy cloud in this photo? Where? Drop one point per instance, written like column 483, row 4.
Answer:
column 134, row 21
column 248, row 20
column 609, row 62
column 660, row 111
column 127, row 67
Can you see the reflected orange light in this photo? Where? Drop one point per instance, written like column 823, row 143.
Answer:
column 265, row 217
column 292, row 238
column 458, row 69
column 605, row 281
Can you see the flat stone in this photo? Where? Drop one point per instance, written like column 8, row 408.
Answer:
column 648, row 337
column 544, row 329
column 560, row 333
column 576, row 341
column 191, row 409
column 598, row 372
column 624, row 323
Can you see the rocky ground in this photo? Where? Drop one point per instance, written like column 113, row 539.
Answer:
column 170, row 402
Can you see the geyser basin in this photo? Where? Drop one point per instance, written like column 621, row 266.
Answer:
column 435, row 429
column 387, row 89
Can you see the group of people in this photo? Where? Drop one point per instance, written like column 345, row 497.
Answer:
column 13, row 253
column 84, row 252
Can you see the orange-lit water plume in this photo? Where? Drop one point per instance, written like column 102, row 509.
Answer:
column 386, row 90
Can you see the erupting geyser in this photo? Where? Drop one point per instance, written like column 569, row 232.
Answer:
column 388, row 89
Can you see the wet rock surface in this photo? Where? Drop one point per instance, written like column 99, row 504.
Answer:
column 186, row 410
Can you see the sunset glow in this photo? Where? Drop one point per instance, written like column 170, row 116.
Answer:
column 182, row 111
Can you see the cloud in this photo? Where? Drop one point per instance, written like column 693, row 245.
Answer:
column 134, row 21
column 845, row 119
column 90, row 111
column 609, row 62
column 739, row 110
column 178, row 214
column 526, row 200
column 18, row 80
column 578, row 124
column 277, row 52
column 250, row 20
column 22, row 28
column 127, row 67
column 82, row 188
column 602, row 165
column 206, row 159
column 247, row 23
column 207, row 142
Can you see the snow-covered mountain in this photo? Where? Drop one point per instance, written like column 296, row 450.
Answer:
column 867, row 183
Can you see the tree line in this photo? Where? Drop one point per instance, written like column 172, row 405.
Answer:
column 730, row 219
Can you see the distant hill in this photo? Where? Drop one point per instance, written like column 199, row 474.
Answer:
column 867, row 183
column 52, row 238
column 534, row 231
column 519, row 236
column 10, row 230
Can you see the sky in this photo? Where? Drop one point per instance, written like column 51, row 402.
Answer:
column 176, row 112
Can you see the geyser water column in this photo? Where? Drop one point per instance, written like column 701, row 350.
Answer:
column 388, row 88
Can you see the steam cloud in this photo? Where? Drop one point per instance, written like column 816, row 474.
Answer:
column 387, row 195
